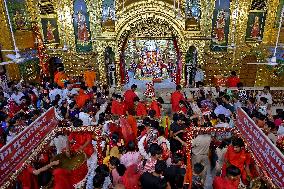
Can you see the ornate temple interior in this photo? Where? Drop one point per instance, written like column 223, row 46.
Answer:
column 145, row 39
column 141, row 94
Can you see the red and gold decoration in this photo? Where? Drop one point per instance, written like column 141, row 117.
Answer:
column 42, row 55
column 163, row 19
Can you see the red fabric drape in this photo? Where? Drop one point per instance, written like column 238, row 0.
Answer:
column 178, row 76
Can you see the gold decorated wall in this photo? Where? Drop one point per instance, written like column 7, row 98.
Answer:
column 157, row 19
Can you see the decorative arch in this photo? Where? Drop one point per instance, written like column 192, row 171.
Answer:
column 150, row 21
column 140, row 19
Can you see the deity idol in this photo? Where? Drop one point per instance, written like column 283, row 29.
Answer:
column 83, row 34
column 19, row 20
column 220, row 26
column 49, row 32
column 255, row 31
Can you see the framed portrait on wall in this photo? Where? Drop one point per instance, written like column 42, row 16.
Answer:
column 220, row 26
column 255, row 26
column 82, row 26
column 50, row 30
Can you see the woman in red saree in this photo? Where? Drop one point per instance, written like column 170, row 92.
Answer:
column 62, row 179
column 81, row 142
column 28, row 177
column 130, row 179
column 126, row 130
column 132, row 122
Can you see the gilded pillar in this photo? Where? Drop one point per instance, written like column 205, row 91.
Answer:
column 270, row 30
column 13, row 71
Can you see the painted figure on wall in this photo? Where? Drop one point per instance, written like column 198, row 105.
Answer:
column 19, row 20
column 49, row 32
column 19, row 14
column 83, row 34
column 220, row 26
column 82, row 26
column 255, row 26
column 255, row 31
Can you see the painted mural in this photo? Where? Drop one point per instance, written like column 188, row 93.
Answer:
column 108, row 7
column 220, row 25
column 82, row 27
column 18, row 14
column 255, row 27
column 256, row 21
column 50, row 30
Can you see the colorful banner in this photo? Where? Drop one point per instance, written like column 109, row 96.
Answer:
column 265, row 152
column 15, row 153
column 220, row 25
column 82, row 27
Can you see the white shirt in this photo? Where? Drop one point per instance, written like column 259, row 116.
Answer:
column 199, row 75
column 280, row 131
column 60, row 143
column 267, row 96
column 272, row 137
column 55, row 92
column 237, row 105
column 35, row 91
column 17, row 97
column 66, row 93
column 224, row 125
column 222, row 110
column 86, row 118
column 201, row 144
column 6, row 95
column 130, row 158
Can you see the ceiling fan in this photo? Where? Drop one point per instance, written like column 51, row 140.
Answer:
column 273, row 60
column 64, row 48
column 15, row 58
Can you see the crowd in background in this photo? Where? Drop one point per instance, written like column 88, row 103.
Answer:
column 144, row 143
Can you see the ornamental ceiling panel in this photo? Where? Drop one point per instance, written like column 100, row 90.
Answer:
column 46, row 7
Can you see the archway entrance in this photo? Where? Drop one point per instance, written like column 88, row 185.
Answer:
column 150, row 51
column 54, row 63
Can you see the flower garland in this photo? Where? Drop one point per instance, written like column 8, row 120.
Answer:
column 141, row 148
column 162, row 140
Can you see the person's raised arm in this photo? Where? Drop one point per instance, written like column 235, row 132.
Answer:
column 38, row 171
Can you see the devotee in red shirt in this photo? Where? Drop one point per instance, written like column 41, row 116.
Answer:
column 129, row 96
column 238, row 157
column 156, row 105
column 175, row 98
column 182, row 107
column 119, row 107
column 114, row 104
column 233, row 80
column 81, row 98
column 62, row 178
column 81, row 142
column 141, row 109
column 230, row 181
